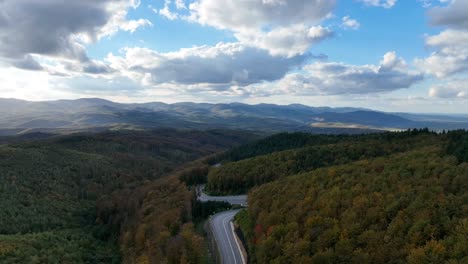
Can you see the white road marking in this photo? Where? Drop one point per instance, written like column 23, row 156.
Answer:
column 237, row 243
column 227, row 235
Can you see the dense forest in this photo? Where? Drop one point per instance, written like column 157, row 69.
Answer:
column 286, row 141
column 154, row 222
column 316, row 151
column 49, row 190
column 279, row 142
column 405, row 205
column 126, row 197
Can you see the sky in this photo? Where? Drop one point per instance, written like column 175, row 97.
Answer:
column 389, row 55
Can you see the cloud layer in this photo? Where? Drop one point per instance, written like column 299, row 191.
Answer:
column 286, row 28
column 267, row 49
column 59, row 28
column 453, row 89
column 332, row 78
column 244, row 15
column 449, row 58
column 453, row 15
column 223, row 65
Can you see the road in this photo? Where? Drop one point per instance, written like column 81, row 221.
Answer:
column 223, row 234
column 233, row 200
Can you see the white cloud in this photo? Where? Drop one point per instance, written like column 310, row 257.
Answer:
column 426, row 3
column 332, row 78
column 180, row 4
column 452, row 89
column 41, row 85
column 59, row 29
column 218, row 67
column 380, row 3
column 391, row 62
column 450, row 56
column 30, row 85
column 349, row 23
column 166, row 12
column 244, row 15
column 285, row 41
column 268, row 60
column 118, row 18
column 268, row 24
column 236, row 70
column 133, row 25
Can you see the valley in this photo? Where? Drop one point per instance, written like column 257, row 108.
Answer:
column 148, row 197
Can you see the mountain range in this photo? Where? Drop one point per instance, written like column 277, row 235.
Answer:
column 19, row 117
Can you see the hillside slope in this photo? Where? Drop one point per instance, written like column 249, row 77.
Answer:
column 240, row 176
column 407, row 207
column 49, row 188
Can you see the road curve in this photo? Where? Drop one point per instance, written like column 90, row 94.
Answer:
column 233, row 200
column 223, row 234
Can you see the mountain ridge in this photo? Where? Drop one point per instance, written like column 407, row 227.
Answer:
column 96, row 112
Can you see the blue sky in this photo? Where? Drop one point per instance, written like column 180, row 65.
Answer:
column 390, row 55
column 404, row 25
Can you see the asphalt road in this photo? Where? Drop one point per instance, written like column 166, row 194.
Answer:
column 234, row 200
column 223, row 234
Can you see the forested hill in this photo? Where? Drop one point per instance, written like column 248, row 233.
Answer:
column 122, row 197
column 287, row 154
column 387, row 198
column 49, row 188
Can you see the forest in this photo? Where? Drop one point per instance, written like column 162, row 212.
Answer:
column 52, row 190
column 127, row 196
column 314, row 151
column 403, row 206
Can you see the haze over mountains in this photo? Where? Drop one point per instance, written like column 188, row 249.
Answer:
column 18, row 116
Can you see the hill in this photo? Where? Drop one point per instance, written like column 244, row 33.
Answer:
column 50, row 188
column 17, row 116
column 385, row 198
column 240, row 176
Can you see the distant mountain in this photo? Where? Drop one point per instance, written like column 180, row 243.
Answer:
column 19, row 116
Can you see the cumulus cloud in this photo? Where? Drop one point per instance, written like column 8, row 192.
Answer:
column 381, row 3
column 267, row 24
column 454, row 15
column 285, row 41
column 59, row 28
column 450, row 55
column 238, row 15
column 332, row 78
column 133, row 25
column 453, row 89
column 349, row 23
column 216, row 67
column 118, row 10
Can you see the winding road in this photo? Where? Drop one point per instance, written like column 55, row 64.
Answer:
column 223, row 232
column 222, row 228
column 233, row 200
